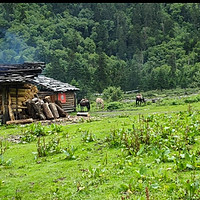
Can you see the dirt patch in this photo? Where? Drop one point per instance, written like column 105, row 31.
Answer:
column 64, row 120
column 14, row 139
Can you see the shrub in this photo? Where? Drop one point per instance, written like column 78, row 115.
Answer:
column 113, row 93
column 192, row 99
column 48, row 148
column 88, row 137
column 70, row 152
column 114, row 105
column 36, row 129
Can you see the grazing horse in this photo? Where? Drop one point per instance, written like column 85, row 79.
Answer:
column 139, row 99
column 86, row 103
column 99, row 103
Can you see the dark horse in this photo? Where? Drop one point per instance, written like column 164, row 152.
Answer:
column 84, row 103
column 139, row 100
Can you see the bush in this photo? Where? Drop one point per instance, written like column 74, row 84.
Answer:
column 113, row 94
column 192, row 99
column 35, row 130
column 114, row 105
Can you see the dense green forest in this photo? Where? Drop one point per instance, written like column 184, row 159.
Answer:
column 93, row 46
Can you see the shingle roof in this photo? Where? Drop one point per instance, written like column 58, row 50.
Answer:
column 20, row 72
column 29, row 72
column 53, row 85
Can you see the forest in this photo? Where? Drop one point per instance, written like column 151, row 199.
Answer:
column 143, row 46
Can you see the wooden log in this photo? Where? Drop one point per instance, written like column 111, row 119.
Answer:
column 33, row 113
column 61, row 112
column 15, row 110
column 17, row 102
column 58, row 102
column 12, row 117
column 13, row 98
column 20, row 106
column 85, row 114
column 47, row 111
column 20, row 121
column 13, row 90
column 29, row 108
column 54, row 110
column 47, row 99
column 5, row 112
column 38, row 111
column 34, row 99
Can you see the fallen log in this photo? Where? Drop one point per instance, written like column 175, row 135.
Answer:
column 54, row 110
column 20, row 121
column 58, row 102
column 38, row 110
column 30, row 109
column 47, row 111
column 61, row 112
column 85, row 114
column 33, row 113
column 12, row 117
column 47, row 99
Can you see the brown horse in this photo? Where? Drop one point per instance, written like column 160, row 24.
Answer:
column 139, row 99
column 84, row 103
column 100, row 103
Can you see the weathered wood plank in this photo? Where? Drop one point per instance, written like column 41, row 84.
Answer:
column 5, row 105
column 20, row 121
column 85, row 114
column 12, row 117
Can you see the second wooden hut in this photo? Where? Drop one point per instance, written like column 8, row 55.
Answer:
column 58, row 91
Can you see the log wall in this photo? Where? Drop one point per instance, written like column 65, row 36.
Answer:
column 69, row 106
column 13, row 98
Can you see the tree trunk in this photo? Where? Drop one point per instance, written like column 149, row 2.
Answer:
column 5, row 105
column 37, row 108
column 33, row 112
column 30, row 110
column 47, row 99
column 61, row 112
column 58, row 102
column 54, row 110
column 85, row 114
column 12, row 117
column 47, row 111
column 20, row 121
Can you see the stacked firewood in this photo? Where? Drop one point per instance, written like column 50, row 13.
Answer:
column 23, row 94
column 31, row 91
column 43, row 109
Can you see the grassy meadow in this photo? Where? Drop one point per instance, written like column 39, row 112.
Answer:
column 122, row 152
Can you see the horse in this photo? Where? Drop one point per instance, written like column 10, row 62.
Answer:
column 99, row 103
column 139, row 99
column 84, row 103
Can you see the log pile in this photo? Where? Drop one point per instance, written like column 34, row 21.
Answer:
column 43, row 109
column 13, row 90
column 39, row 109
column 23, row 103
column 28, row 91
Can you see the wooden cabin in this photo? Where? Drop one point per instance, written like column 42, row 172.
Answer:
column 16, row 88
column 58, row 91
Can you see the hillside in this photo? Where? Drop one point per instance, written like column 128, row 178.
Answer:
column 142, row 46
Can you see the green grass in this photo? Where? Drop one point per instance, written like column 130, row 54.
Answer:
column 100, row 167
